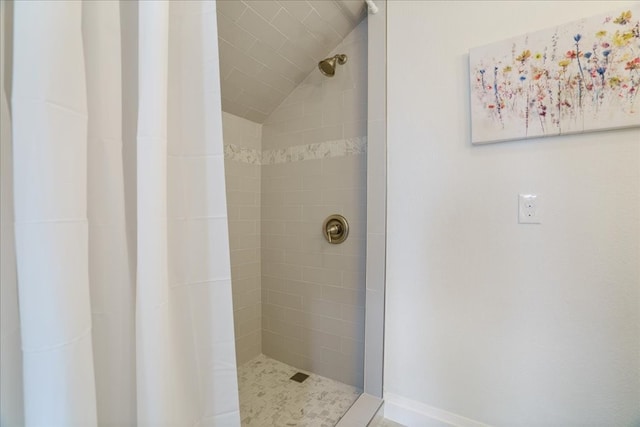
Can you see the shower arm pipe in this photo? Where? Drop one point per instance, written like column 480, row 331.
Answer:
column 372, row 6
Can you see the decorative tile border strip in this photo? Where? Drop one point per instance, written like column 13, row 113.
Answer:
column 320, row 150
column 242, row 154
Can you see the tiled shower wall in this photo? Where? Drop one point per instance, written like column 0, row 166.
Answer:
column 314, row 165
column 242, row 139
column 296, row 297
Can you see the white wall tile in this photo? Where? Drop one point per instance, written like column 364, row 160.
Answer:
column 266, row 9
column 291, row 27
column 297, row 8
column 322, row 276
column 276, row 62
column 256, row 116
column 243, row 198
column 234, row 35
column 241, row 61
column 325, row 34
column 260, row 28
column 326, row 9
column 233, row 107
column 311, row 292
column 284, row 299
column 233, row 9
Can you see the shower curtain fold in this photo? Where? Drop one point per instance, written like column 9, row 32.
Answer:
column 114, row 333
column 111, row 278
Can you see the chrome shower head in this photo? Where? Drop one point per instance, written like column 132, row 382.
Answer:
column 328, row 65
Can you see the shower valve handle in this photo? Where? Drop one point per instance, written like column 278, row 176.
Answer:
column 335, row 229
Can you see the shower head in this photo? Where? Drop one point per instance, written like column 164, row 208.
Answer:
column 328, row 65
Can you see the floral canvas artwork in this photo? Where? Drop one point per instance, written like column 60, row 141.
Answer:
column 579, row 77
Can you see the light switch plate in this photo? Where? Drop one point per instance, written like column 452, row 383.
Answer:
column 529, row 209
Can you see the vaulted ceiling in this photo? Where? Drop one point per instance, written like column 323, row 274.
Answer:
column 268, row 47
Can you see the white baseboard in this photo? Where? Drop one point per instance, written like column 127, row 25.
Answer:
column 412, row 413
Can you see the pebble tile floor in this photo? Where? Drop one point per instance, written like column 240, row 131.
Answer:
column 269, row 398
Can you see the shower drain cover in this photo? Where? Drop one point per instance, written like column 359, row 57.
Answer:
column 299, row 377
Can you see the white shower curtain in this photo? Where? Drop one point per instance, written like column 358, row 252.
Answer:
column 115, row 172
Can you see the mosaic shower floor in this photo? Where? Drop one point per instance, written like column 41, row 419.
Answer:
column 269, row 398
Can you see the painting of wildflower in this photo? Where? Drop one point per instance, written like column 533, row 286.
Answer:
column 579, row 77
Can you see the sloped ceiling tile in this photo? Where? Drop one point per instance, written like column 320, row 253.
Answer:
column 268, row 47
